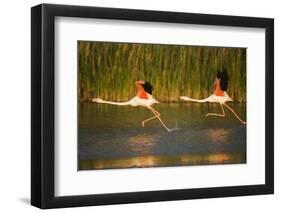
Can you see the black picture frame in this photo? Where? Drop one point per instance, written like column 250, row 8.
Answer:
column 43, row 105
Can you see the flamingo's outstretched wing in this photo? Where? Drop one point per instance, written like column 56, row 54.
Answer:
column 98, row 100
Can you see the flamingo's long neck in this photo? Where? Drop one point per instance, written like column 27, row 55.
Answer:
column 194, row 100
column 117, row 103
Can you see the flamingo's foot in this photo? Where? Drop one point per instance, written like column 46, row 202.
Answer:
column 142, row 124
column 243, row 122
column 173, row 129
column 207, row 114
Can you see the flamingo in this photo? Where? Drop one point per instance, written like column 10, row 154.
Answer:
column 143, row 98
column 220, row 96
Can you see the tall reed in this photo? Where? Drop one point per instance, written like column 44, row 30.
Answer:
column 108, row 70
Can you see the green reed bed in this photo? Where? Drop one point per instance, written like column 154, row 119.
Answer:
column 109, row 70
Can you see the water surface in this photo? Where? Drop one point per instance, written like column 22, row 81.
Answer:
column 112, row 136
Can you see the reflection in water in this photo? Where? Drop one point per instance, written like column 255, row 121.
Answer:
column 219, row 135
column 142, row 143
column 112, row 137
column 144, row 161
column 160, row 161
column 207, row 159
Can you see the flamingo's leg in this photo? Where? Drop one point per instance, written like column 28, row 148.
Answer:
column 243, row 122
column 142, row 123
column 215, row 114
column 157, row 115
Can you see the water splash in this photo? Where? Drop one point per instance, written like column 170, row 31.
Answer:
column 175, row 128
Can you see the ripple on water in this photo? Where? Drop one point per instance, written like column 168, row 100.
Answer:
column 108, row 134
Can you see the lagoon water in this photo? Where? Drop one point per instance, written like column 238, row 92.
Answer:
column 112, row 136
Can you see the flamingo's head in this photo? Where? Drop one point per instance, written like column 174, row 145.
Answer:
column 97, row 100
column 184, row 98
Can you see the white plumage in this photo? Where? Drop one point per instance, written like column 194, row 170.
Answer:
column 215, row 99
column 135, row 101
column 212, row 98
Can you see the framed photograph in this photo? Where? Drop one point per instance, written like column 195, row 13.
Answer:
column 139, row 106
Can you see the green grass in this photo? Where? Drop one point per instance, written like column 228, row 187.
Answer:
column 109, row 70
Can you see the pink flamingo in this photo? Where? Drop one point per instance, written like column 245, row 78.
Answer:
column 143, row 98
column 219, row 96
